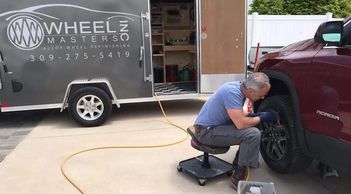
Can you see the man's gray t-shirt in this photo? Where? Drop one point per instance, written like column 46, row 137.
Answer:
column 214, row 111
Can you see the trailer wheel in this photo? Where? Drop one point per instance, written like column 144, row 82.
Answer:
column 90, row 106
column 279, row 144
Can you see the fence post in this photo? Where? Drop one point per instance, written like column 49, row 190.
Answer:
column 254, row 29
column 329, row 16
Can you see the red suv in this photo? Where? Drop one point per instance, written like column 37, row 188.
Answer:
column 311, row 90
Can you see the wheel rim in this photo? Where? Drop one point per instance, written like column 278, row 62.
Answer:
column 90, row 107
column 274, row 141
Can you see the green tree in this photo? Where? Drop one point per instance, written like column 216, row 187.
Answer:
column 339, row 8
column 267, row 7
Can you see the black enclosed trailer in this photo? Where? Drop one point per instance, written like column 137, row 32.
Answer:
column 88, row 55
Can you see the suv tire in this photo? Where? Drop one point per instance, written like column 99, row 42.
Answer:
column 90, row 106
column 279, row 146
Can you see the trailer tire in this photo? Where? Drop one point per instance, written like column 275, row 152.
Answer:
column 90, row 106
column 279, row 144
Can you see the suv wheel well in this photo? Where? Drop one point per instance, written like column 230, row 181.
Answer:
column 278, row 87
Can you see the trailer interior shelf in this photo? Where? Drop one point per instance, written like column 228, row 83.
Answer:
column 173, row 44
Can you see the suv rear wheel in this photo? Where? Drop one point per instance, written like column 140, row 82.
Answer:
column 279, row 146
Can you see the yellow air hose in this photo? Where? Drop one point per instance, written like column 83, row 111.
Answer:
column 63, row 171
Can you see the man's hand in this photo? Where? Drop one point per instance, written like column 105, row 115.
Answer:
column 269, row 117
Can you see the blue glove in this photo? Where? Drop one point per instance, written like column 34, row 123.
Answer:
column 251, row 114
column 269, row 117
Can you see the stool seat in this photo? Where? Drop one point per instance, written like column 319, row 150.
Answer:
column 205, row 148
column 209, row 149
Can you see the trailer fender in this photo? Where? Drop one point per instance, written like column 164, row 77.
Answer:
column 90, row 82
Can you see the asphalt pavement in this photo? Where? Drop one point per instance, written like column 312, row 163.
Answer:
column 14, row 127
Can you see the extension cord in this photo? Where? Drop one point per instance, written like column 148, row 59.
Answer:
column 119, row 147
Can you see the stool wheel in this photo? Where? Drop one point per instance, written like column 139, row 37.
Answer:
column 202, row 182
column 180, row 169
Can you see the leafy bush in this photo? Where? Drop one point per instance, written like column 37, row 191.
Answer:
column 339, row 8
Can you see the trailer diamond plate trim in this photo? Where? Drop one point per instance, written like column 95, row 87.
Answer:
column 175, row 88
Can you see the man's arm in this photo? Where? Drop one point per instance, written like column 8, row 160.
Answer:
column 240, row 120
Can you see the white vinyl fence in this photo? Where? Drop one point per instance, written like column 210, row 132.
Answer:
column 274, row 31
column 281, row 30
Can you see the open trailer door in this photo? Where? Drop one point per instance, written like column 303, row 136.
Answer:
column 223, row 43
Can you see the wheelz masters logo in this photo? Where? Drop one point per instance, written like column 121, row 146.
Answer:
column 25, row 32
column 33, row 28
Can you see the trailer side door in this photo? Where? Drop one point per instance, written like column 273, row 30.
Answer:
column 223, row 42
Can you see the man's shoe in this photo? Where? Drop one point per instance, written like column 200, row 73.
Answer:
column 239, row 174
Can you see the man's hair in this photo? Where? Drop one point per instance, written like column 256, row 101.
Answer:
column 256, row 81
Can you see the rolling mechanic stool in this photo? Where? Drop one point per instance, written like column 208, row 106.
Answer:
column 205, row 166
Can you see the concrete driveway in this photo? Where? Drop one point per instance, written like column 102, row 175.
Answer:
column 34, row 166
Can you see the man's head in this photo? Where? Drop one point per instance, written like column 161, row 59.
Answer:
column 256, row 86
